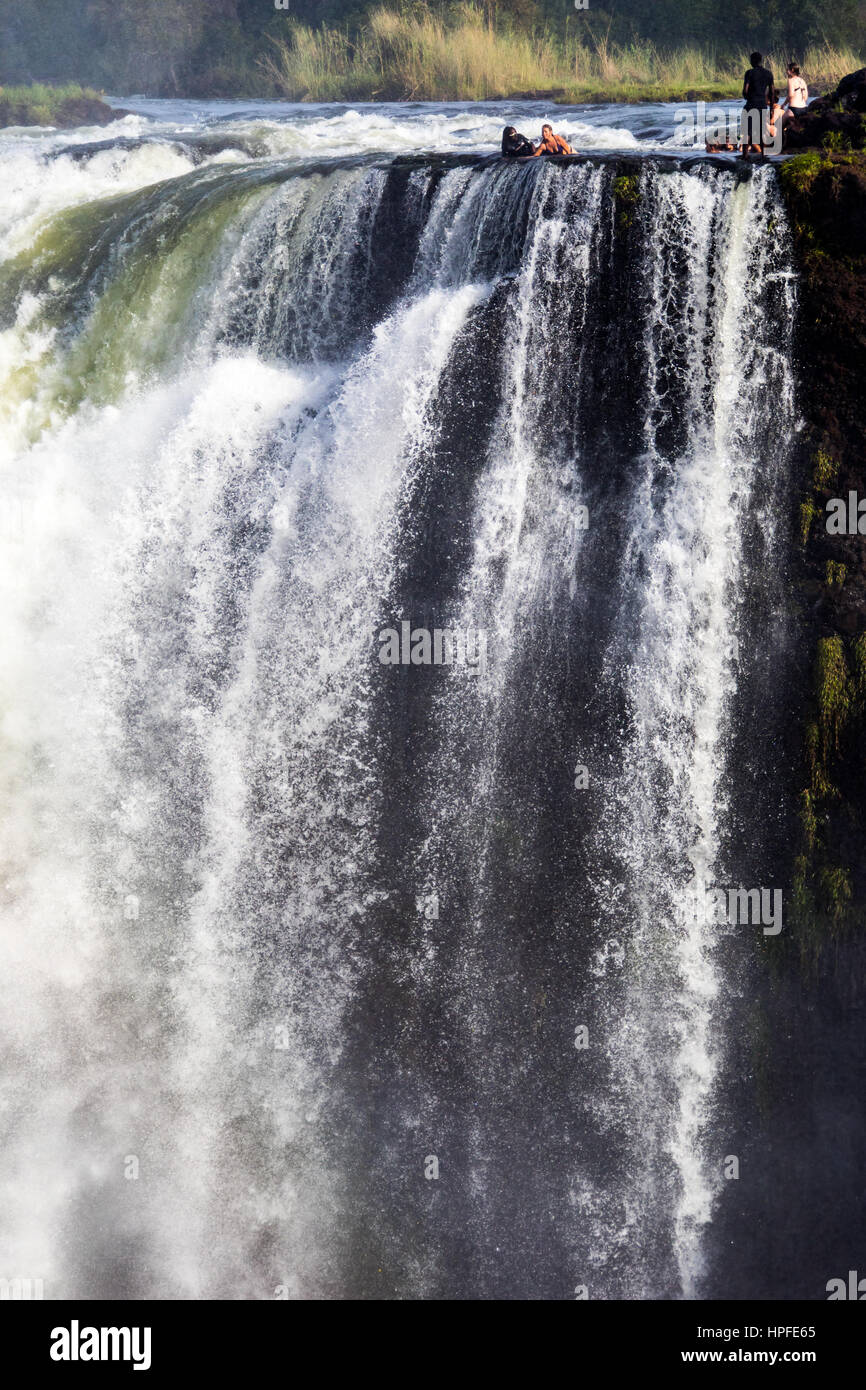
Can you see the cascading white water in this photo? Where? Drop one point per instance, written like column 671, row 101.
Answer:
column 199, row 672
column 709, row 339
column 214, row 444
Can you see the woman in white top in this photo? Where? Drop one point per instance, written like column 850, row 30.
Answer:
column 798, row 92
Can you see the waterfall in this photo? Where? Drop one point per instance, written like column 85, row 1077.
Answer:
column 282, row 923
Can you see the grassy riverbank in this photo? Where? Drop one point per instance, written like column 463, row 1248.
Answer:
column 67, row 105
column 425, row 57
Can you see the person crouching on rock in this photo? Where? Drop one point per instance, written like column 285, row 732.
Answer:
column 552, row 144
column 515, row 145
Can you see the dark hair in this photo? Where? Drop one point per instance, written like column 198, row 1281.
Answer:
column 792, row 67
column 756, row 59
column 509, row 130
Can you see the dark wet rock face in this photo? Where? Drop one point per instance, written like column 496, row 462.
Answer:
column 826, row 196
column 797, row 1117
column 86, row 111
column 853, row 89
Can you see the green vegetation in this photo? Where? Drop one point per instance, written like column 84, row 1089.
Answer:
column 626, row 191
column 435, row 49
column 799, row 173
column 825, row 471
column 820, row 787
column 39, row 104
column 811, row 184
column 833, row 689
column 808, row 512
column 836, row 141
column 423, row 56
column 823, row 899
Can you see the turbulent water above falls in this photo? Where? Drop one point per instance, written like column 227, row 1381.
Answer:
column 282, row 923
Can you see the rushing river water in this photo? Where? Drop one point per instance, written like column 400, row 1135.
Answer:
column 333, row 976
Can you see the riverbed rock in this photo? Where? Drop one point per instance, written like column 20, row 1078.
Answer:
column 837, row 119
column 74, row 111
column 86, row 111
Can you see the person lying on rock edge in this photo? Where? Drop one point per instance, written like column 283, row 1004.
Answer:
column 516, row 145
column 552, row 144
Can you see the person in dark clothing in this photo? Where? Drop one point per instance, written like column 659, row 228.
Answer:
column 759, row 94
column 515, row 144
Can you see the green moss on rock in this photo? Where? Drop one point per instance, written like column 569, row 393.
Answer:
column 823, row 898
column 808, row 512
column 825, row 471
column 833, row 691
column 799, row 173
column 626, row 192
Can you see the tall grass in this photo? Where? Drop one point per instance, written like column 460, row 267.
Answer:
column 39, row 104
column 423, row 57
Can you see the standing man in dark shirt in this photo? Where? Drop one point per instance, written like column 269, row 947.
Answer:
column 758, row 94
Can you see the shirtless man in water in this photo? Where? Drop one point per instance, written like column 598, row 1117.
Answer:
column 552, row 144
